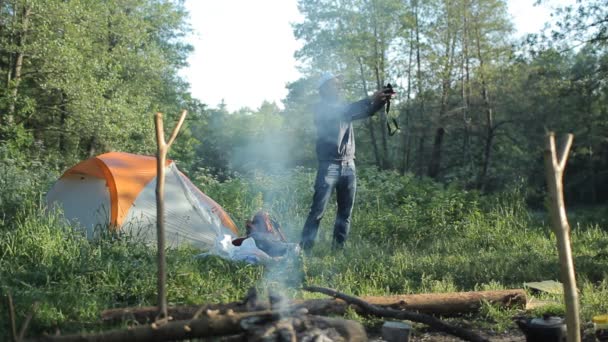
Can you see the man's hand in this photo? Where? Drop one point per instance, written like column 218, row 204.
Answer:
column 381, row 96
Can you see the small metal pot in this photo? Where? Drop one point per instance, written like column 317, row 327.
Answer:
column 546, row 329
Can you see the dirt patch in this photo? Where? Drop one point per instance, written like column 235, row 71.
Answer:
column 509, row 336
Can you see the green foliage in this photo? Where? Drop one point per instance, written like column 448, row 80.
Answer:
column 25, row 176
column 94, row 73
column 409, row 235
column 74, row 279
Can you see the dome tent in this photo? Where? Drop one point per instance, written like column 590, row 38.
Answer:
column 118, row 190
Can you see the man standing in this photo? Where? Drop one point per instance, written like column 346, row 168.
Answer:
column 335, row 147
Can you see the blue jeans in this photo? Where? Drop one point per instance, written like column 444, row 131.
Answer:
column 340, row 175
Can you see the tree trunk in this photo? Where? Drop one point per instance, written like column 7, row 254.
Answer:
column 379, row 73
column 420, row 152
column 450, row 42
column 369, row 123
column 92, row 146
column 487, row 150
column 590, row 163
column 420, row 95
column 4, row 66
column 383, row 121
column 405, row 159
column 436, row 153
column 16, row 74
column 465, row 84
column 63, row 115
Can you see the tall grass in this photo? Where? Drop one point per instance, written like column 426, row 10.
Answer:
column 408, row 235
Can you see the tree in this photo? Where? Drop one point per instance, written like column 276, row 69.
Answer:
column 85, row 77
column 352, row 38
column 585, row 22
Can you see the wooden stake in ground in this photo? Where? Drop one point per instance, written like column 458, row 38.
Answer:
column 554, row 166
column 11, row 316
column 161, row 159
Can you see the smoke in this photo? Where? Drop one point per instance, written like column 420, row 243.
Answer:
column 267, row 151
column 268, row 145
column 282, row 279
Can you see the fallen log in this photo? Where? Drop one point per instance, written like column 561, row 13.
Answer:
column 147, row 314
column 246, row 326
column 209, row 325
column 429, row 320
column 442, row 304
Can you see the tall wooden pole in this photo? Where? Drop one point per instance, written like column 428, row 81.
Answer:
column 161, row 160
column 554, row 166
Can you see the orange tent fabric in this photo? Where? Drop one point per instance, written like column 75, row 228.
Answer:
column 128, row 179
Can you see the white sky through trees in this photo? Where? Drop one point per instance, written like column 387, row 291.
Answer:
column 244, row 49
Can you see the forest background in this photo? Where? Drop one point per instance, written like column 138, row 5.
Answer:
column 81, row 78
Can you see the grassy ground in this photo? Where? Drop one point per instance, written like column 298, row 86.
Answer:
column 408, row 236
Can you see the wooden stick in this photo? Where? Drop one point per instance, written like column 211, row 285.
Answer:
column 11, row 316
column 26, row 323
column 180, row 122
column 161, row 159
column 398, row 314
column 554, row 167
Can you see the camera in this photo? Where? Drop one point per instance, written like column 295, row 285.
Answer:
column 388, row 89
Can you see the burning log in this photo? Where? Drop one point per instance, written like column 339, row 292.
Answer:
column 444, row 304
column 304, row 328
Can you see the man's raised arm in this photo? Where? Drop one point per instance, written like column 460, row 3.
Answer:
column 367, row 107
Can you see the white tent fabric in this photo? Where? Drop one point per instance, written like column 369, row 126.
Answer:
column 85, row 201
column 186, row 220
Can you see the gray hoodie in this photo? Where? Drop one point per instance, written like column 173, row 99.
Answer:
column 335, row 135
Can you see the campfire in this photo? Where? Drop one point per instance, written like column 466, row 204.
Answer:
column 296, row 324
column 272, row 316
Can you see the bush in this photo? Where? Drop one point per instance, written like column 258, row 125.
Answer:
column 25, row 179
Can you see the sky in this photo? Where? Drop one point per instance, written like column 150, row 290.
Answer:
column 244, row 49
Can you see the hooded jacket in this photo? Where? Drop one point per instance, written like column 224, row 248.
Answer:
column 333, row 120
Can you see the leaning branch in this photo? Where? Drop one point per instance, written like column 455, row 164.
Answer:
column 398, row 314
